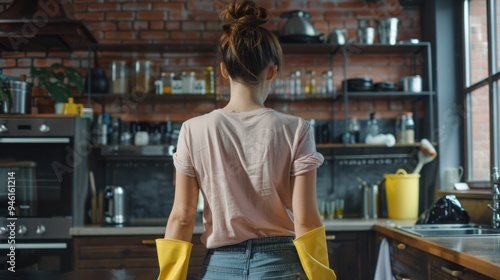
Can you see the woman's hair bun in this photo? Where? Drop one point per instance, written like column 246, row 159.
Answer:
column 242, row 14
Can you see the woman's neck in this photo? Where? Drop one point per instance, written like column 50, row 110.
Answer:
column 246, row 98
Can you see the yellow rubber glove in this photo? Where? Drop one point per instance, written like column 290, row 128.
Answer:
column 313, row 255
column 173, row 258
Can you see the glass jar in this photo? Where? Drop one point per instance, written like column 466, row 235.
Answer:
column 327, row 83
column 409, row 132
column 143, row 80
column 119, row 77
column 167, row 79
column 311, row 82
column 188, row 81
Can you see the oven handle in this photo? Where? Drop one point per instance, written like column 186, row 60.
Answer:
column 35, row 140
column 35, row 246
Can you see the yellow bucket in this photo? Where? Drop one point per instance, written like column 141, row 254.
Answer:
column 401, row 190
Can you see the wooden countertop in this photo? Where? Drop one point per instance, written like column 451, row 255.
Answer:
column 481, row 254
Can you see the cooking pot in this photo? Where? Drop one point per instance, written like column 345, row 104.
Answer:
column 297, row 28
column 411, row 83
column 115, row 205
column 19, row 97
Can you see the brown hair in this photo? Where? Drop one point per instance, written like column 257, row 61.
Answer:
column 246, row 47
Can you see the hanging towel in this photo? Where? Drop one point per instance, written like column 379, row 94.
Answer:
column 383, row 269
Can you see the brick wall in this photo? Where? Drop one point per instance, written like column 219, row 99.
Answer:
column 181, row 21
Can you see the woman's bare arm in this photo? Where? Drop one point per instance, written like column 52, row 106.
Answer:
column 181, row 221
column 305, row 210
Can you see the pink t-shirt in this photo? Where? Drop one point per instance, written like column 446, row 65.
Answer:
column 243, row 162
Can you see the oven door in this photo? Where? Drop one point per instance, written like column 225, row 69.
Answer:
column 37, row 255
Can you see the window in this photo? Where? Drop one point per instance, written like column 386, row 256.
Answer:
column 482, row 61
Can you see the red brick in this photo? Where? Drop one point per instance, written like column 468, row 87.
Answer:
column 141, row 25
column 153, row 35
column 79, row 7
column 125, row 35
column 124, row 25
column 24, row 62
column 173, row 25
column 8, row 63
column 151, row 15
column 119, row 16
column 185, row 35
column 45, row 62
column 102, row 7
column 156, row 25
column 90, row 16
column 168, row 6
column 105, row 26
column 136, row 6
column 193, row 25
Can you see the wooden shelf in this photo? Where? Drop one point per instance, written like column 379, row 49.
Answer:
column 363, row 145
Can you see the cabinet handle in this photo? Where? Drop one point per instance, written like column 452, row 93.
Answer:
column 330, row 237
column 452, row 272
column 401, row 246
column 148, row 242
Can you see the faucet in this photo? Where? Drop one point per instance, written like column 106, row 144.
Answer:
column 495, row 191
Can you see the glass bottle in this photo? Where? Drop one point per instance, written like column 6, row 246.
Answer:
column 209, row 80
column 354, row 130
column 167, row 79
column 327, row 83
column 143, row 80
column 399, row 129
column 409, row 132
column 310, row 82
column 298, row 83
column 119, row 77
column 372, row 126
column 188, row 81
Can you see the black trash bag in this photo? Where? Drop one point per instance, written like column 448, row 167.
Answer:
column 447, row 210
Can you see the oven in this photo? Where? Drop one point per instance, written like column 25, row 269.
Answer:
column 44, row 185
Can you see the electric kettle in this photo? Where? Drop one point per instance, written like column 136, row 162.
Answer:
column 115, row 205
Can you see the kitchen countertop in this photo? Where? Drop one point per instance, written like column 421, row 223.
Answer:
column 331, row 225
column 481, row 254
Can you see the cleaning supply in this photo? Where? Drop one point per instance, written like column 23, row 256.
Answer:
column 401, row 190
column 173, row 258
column 426, row 154
column 313, row 254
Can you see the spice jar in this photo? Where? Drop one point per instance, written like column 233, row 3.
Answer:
column 167, row 79
column 143, row 80
column 119, row 77
column 188, row 81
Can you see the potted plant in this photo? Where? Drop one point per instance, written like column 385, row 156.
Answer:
column 58, row 80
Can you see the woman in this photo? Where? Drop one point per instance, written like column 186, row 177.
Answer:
column 255, row 167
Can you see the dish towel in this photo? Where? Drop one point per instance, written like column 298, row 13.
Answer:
column 383, row 270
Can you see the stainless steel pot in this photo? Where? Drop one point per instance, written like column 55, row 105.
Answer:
column 388, row 30
column 115, row 205
column 411, row 83
column 19, row 97
column 298, row 23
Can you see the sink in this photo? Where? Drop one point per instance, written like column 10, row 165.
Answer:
column 443, row 230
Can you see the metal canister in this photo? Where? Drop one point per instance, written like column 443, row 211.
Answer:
column 116, row 205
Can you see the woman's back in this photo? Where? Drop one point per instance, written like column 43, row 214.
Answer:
column 243, row 162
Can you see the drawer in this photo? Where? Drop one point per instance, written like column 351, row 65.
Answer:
column 443, row 269
column 407, row 262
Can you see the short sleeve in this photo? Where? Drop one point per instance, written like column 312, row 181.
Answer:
column 306, row 158
column 182, row 157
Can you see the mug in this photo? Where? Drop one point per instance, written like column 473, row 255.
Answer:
column 452, row 175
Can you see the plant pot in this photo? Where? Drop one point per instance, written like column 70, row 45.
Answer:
column 45, row 105
column 58, row 107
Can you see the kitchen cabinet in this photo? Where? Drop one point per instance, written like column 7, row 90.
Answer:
column 349, row 254
column 127, row 252
column 409, row 262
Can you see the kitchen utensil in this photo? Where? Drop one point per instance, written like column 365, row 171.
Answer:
column 425, row 155
column 19, row 97
column 116, row 205
column 366, row 35
column 338, row 36
column 452, row 175
column 384, row 86
column 71, row 108
column 388, row 30
column 359, row 84
column 298, row 23
column 411, row 83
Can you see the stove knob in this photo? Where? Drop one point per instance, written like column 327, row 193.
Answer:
column 40, row 229
column 44, row 128
column 21, row 230
column 3, row 128
column 3, row 230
